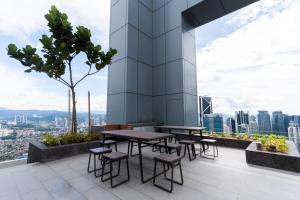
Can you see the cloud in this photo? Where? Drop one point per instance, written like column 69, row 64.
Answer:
column 262, row 7
column 256, row 66
column 22, row 91
column 22, row 19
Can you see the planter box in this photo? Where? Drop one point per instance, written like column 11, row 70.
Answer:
column 289, row 161
column 39, row 152
column 224, row 142
column 231, row 142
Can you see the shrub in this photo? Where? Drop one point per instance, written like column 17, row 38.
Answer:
column 51, row 140
column 266, row 140
column 68, row 138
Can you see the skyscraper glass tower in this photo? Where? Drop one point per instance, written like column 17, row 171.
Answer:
column 213, row 123
column 264, row 122
column 278, row 123
column 205, row 107
column 242, row 121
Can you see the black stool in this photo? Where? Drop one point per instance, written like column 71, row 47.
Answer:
column 214, row 144
column 187, row 144
column 97, row 152
column 170, row 147
column 108, row 143
column 111, row 158
column 169, row 160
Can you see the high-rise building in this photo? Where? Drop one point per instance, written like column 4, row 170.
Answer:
column 213, row 123
column 253, row 125
column 205, row 107
column 294, row 133
column 242, row 121
column 278, row 125
column 287, row 120
column 20, row 119
column 231, row 124
column 295, row 118
column 264, row 122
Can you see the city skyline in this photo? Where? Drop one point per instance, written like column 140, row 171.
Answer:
column 242, row 28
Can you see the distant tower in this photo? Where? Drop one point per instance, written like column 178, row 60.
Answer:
column 242, row 121
column 231, row 124
column 294, row 133
column 253, row 125
column 213, row 123
column 278, row 125
column 205, row 107
column 264, row 122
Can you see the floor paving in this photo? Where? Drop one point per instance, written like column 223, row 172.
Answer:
column 227, row 178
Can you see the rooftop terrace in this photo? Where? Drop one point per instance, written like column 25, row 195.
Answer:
column 228, row 177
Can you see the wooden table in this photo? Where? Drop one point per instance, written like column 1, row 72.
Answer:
column 139, row 136
column 190, row 129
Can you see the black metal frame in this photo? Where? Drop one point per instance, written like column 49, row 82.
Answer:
column 141, row 158
column 111, row 176
column 169, row 149
column 209, row 156
column 190, row 133
column 95, row 165
column 141, row 161
column 187, row 147
column 173, row 165
column 108, row 146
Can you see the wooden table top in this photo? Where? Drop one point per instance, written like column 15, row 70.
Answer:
column 137, row 135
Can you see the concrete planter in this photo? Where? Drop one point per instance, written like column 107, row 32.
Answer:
column 231, row 142
column 39, row 152
column 289, row 161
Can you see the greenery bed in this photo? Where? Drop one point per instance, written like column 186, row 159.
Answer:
column 69, row 138
column 267, row 141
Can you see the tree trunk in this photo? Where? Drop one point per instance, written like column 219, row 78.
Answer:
column 74, row 114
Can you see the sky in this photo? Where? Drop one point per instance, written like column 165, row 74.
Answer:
column 247, row 60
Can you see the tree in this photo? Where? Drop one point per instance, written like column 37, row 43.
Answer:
column 59, row 49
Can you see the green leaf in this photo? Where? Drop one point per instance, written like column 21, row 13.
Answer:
column 12, row 49
column 98, row 66
column 28, row 70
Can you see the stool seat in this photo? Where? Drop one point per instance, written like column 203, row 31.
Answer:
column 209, row 140
column 115, row 156
column 214, row 144
column 169, row 145
column 187, row 142
column 109, row 142
column 100, row 150
column 152, row 142
column 167, row 158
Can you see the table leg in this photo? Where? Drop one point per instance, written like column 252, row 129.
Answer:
column 103, row 140
column 201, row 137
column 141, row 160
column 166, row 144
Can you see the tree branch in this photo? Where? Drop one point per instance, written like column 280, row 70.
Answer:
column 62, row 81
column 65, row 82
column 90, row 68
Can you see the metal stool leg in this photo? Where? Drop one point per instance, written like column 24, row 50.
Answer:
column 116, row 147
column 88, row 169
column 154, row 173
column 172, row 177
